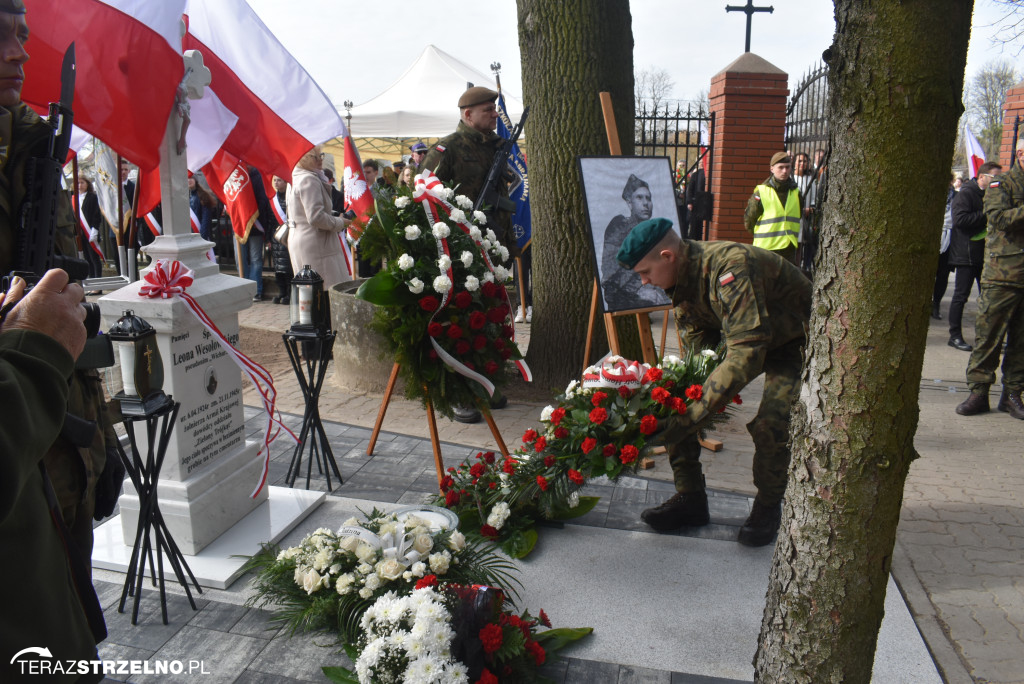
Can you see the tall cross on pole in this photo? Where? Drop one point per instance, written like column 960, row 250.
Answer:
column 749, row 9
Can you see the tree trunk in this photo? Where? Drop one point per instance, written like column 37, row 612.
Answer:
column 571, row 51
column 895, row 76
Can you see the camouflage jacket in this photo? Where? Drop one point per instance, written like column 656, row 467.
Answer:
column 463, row 159
column 73, row 470
column 1004, row 245
column 751, row 299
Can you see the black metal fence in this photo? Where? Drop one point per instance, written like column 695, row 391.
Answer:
column 806, row 120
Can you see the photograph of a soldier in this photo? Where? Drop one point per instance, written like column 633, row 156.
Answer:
column 620, row 192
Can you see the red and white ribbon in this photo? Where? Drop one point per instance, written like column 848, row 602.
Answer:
column 616, row 372
column 428, row 190
column 170, row 278
column 90, row 237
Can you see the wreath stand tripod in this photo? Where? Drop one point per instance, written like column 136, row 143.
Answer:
column 435, row 442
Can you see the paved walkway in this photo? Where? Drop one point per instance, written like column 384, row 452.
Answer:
column 958, row 557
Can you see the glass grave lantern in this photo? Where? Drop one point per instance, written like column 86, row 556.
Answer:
column 308, row 307
column 142, row 368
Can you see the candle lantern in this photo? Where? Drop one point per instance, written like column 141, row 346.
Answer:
column 142, row 369
column 308, row 306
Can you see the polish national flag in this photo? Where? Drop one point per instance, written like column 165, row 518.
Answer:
column 129, row 64
column 228, row 177
column 282, row 111
column 358, row 198
column 975, row 155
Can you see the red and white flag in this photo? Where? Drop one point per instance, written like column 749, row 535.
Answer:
column 129, row 64
column 282, row 111
column 975, row 155
column 358, row 198
column 228, row 177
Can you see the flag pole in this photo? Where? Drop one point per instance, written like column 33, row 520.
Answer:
column 122, row 254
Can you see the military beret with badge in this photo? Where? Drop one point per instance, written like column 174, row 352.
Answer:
column 643, row 237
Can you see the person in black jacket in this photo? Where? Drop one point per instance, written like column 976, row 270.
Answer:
column 967, row 247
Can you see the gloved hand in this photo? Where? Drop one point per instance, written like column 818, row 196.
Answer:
column 670, row 430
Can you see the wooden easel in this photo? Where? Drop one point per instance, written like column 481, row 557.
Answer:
column 435, row 442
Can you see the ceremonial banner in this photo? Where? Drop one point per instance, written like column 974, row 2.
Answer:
column 229, row 180
column 975, row 155
column 107, row 181
column 520, row 191
column 358, row 198
column 128, row 67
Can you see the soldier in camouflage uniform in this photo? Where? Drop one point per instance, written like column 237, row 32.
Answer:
column 1001, row 312
column 73, row 468
column 758, row 304
column 463, row 159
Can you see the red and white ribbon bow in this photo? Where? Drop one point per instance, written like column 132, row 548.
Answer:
column 616, row 372
column 170, row 278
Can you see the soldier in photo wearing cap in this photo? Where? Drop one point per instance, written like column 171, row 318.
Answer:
column 773, row 211
column 758, row 304
column 463, row 160
column 621, row 287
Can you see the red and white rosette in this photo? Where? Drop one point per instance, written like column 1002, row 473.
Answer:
column 429, row 192
column 170, row 278
column 615, row 372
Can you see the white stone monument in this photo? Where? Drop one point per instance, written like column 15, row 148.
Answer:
column 210, row 469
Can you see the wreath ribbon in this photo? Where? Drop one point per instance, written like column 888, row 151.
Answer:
column 170, row 278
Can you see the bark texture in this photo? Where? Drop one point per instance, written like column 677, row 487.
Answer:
column 571, row 50
column 896, row 74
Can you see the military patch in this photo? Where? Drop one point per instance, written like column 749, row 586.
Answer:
column 726, row 279
column 993, row 183
column 439, row 148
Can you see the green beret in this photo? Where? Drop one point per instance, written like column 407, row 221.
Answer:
column 632, row 185
column 642, row 239
column 12, row 6
column 477, row 95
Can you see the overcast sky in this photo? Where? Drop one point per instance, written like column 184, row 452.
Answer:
column 355, row 50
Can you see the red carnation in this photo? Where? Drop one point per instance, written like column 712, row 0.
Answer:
column 462, row 347
column 491, row 637
column 625, row 392
column 576, row 476
column 489, row 289
column 429, row 303
column 451, row 498
column 648, row 424
column 463, row 299
column 609, row 450
column 491, row 367
column 588, row 445
column 629, row 453
column 477, row 320
column 499, row 343
column 488, row 532
column 544, row 619
column 737, row 400
column 427, row 581
column 561, row 433
column 540, row 444
column 660, row 395
column 694, row 392
column 679, row 404
column 435, row 329
column 497, row 314
column 542, row 482
column 537, row 651
column 557, row 415
column 477, row 469
column 549, row 461
column 493, row 485
column 669, row 384
column 447, row 483
column 508, row 331
column 469, row 365
column 597, row 398
column 598, row 416
column 486, row 678
column 529, row 436
column 454, row 332
column 489, row 457
column 509, row 466
column 479, row 342
column 653, row 375
column 506, row 354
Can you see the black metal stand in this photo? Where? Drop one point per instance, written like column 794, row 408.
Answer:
column 311, row 372
column 145, row 474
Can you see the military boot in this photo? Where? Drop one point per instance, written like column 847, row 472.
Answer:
column 762, row 524
column 974, row 404
column 684, row 509
column 1003, row 406
column 1014, row 405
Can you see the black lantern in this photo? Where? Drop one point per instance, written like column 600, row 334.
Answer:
column 142, row 369
column 308, row 306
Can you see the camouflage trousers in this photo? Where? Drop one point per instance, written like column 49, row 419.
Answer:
column 1000, row 314
column 769, row 430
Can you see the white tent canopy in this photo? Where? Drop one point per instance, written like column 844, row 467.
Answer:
column 423, row 102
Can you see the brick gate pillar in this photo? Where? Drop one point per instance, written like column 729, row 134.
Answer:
column 1012, row 108
column 748, row 98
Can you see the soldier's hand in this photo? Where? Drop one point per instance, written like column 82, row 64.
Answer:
column 670, row 430
column 53, row 307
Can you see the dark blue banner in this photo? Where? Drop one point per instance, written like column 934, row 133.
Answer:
column 520, row 190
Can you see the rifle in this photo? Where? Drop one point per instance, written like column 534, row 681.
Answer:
column 489, row 196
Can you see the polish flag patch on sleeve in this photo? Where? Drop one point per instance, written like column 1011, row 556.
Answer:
column 994, row 183
column 439, row 148
column 726, row 279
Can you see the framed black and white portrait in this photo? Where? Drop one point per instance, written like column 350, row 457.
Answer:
column 620, row 192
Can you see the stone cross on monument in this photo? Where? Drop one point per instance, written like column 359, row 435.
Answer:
column 749, row 9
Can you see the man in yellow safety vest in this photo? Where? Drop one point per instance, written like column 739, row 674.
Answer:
column 773, row 211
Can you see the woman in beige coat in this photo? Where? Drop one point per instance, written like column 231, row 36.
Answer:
column 313, row 238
